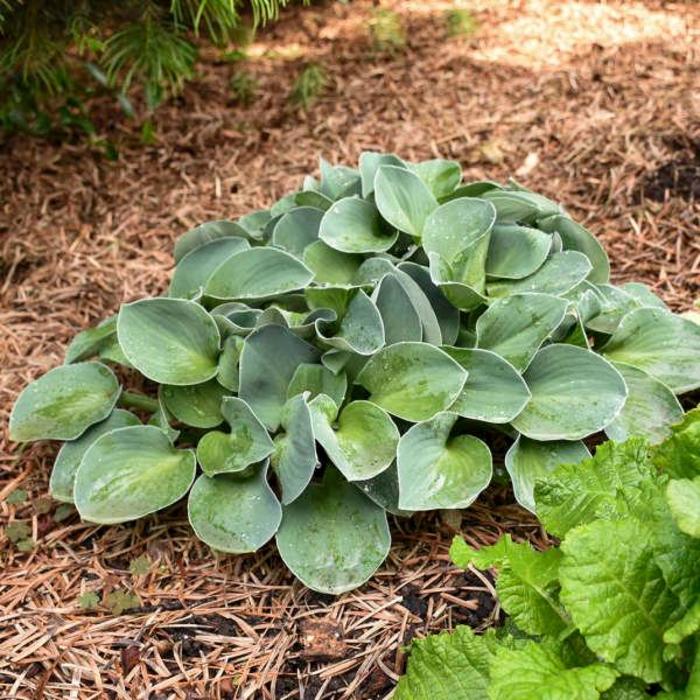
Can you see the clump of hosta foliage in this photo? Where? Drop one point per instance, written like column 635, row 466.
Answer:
column 354, row 350
column 613, row 613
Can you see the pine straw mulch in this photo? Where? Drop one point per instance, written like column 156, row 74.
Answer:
column 596, row 105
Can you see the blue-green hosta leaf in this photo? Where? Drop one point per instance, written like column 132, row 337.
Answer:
column 441, row 176
column 258, row 273
column 472, row 189
column 369, row 164
column 438, row 470
column 72, row 452
column 333, row 538
column 162, row 419
column 353, row 225
column 330, row 266
column 447, row 315
column 195, row 268
column 383, row 489
column 432, row 326
column 683, row 496
column 537, row 671
column 131, row 472
column 558, row 275
column 617, row 596
column 528, row 460
column 361, row 442
column 465, row 297
column 516, row 251
column 575, row 393
column 403, row 199
column 255, row 223
column 270, row 357
column 297, row 229
column 171, row 341
column 294, row 459
column 234, row 514
column 446, row 666
column 615, row 304
column 399, row 316
column 88, row 343
column 338, row 180
column 643, row 294
column 660, row 343
column 413, row 381
column 361, row 329
column 516, row 327
column 494, row 392
column 372, row 270
column 313, row 199
column 317, row 379
column 679, row 454
column 198, row 405
column 227, row 372
column 650, row 410
column 247, row 442
column 206, row 233
column 520, row 206
column 64, row 402
column 576, row 237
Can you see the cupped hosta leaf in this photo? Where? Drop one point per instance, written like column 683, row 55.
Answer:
column 494, row 392
column 472, row 189
column 353, row 225
column 399, row 316
column 650, row 410
column 575, row 393
column 576, row 237
column 330, row 266
column 198, row 405
column 131, row 472
column 662, row 344
column 413, row 381
column 234, row 514
column 518, row 207
column 72, row 452
column 247, row 442
column 297, row 229
column 333, row 538
column 88, row 343
column 361, row 329
column 561, row 273
column 171, row 341
column 383, row 489
column 528, row 460
column 338, row 180
column 195, row 268
column 369, row 164
column 205, row 233
column 313, row 199
column 437, row 470
column 258, row 273
column 294, row 459
column 465, row 297
column 516, row 251
column 64, row 402
column 362, row 443
column 317, row 379
column 163, row 419
column 270, row 357
column 432, row 331
column 255, row 223
column 227, row 373
column 516, row 327
column 441, row 176
column 643, row 295
column 403, row 199
column 614, row 305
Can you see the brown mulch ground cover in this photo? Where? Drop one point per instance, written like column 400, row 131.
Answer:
column 596, row 105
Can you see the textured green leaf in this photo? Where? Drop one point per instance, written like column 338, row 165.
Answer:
column 198, row 405
column 687, row 625
column 494, row 391
column 683, row 497
column 516, row 327
column 516, row 251
column 270, row 357
column 297, row 229
column 413, row 381
column 206, row 233
column 446, row 666
column 353, row 225
column 71, row 453
column 361, row 442
column 664, row 345
column 171, row 341
column 617, row 596
column 131, row 472
column 245, row 444
column 317, row 379
column 528, row 460
column 403, row 199
column 64, row 402
column 438, row 469
column 575, row 393
column 234, row 514
column 333, row 538
column 679, row 454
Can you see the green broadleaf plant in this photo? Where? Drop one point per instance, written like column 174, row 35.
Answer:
column 352, row 351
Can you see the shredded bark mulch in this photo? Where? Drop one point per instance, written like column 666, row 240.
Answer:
column 595, row 105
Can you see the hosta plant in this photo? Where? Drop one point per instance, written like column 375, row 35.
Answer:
column 356, row 349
